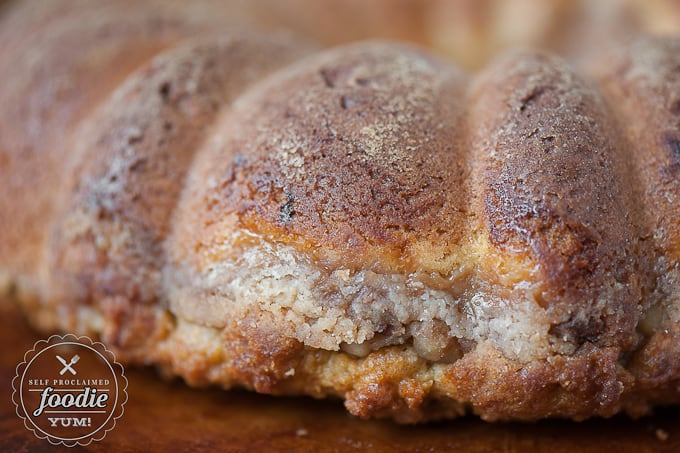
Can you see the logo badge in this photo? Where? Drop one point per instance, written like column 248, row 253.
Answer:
column 69, row 390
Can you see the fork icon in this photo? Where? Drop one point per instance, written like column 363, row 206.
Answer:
column 68, row 366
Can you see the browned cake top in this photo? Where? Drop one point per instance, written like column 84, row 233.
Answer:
column 556, row 186
column 377, row 156
column 352, row 151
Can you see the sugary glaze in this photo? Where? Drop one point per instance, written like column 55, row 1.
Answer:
column 366, row 222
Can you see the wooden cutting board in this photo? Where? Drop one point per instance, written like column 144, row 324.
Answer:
column 169, row 416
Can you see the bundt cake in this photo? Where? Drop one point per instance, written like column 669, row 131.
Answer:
column 366, row 222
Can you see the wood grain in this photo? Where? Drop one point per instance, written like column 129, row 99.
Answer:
column 169, row 416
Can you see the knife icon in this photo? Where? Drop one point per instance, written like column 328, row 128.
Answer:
column 67, row 366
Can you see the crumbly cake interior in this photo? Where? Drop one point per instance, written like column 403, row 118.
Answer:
column 360, row 311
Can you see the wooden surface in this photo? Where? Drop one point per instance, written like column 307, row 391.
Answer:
column 168, row 416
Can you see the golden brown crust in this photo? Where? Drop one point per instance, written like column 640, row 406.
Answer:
column 395, row 382
column 130, row 160
column 641, row 79
column 53, row 77
column 555, row 187
column 352, row 151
